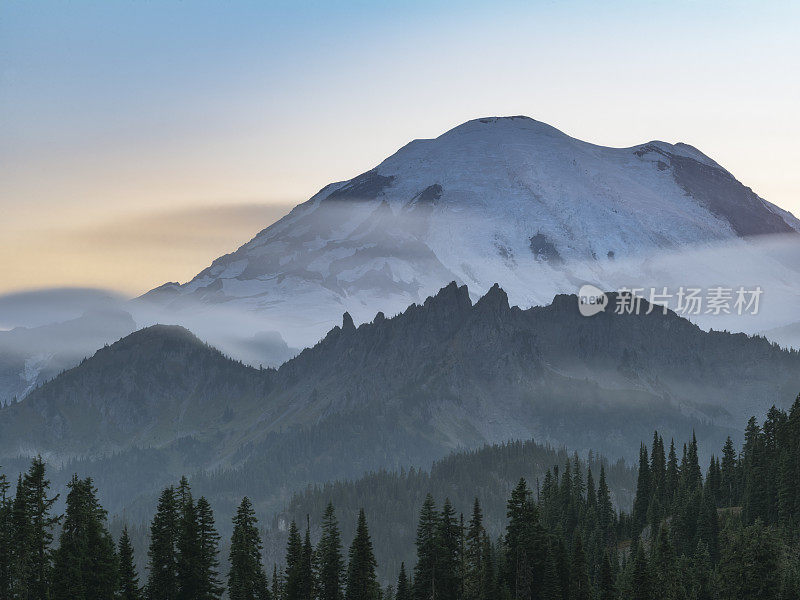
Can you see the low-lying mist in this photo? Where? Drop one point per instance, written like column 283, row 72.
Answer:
column 53, row 329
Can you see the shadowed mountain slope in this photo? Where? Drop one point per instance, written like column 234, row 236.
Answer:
column 399, row 391
column 150, row 388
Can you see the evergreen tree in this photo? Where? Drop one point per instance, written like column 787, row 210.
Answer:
column 277, row 579
column 307, row 583
column 474, row 576
column 362, row 583
column 491, row 587
column 209, row 586
column 183, row 494
column 786, row 499
column 330, row 567
column 6, row 538
column 128, row 580
column 404, row 591
column 293, row 586
column 462, row 554
column 580, row 588
column 578, row 487
column 691, row 474
column 792, row 477
column 708, row 525
column 714, row 480
column 448, row 537
column 606, row 589
column 20, row 552
column 641, row 502
column 563, row 567
column 750, row 563
column 33, row 523
column 664, row 568
column 729, row 475
column 569, row 507
column 551, row 582
column 246, row 578
column 188, row 562
column 85, row 562
column 519, row 538
column 658, row 470
column 702, row 586
column 162, row 581
column 755, row 495
column 641, row 577
column 591, row 492
column 605, row 510
column 549, row 507
column 685, row 519
column 671, row 487
column 425, row 571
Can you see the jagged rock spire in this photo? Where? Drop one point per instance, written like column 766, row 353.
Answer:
column 347, row 322
column 495, row 299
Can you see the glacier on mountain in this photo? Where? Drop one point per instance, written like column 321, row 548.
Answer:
column 508, row 200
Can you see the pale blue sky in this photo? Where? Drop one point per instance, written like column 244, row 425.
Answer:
column 116, row 112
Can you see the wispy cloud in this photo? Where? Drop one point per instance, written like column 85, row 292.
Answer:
column 131, row 253
column 184, row 229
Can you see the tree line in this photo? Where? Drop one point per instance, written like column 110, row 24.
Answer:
column 490, row 473
column 731, row 533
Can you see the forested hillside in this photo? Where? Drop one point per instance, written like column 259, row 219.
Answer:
column 488, row 474
column 396, row 393
column 731, row 534
column 150, row 388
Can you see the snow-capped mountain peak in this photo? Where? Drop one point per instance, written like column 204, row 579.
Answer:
column 499, row 199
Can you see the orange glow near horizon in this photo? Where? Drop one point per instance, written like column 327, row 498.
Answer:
column 141, row 141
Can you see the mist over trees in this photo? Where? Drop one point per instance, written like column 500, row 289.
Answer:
column 731, row 533
column 159, row 403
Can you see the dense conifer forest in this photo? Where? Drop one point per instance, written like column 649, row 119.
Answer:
column 731, row 533
column 488, row 474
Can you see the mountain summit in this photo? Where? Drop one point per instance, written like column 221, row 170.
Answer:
column 506, row 199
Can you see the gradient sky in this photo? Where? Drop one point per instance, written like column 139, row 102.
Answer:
column 140, row 140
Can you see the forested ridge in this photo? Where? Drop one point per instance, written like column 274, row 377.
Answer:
column 400, row 391
column 729, row 534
